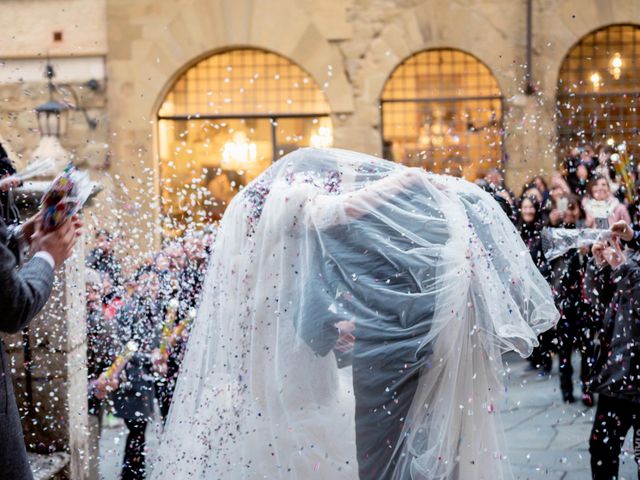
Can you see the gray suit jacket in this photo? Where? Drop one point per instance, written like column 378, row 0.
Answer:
column 23, row 293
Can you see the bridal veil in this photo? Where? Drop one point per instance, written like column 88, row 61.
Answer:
column 425, row 271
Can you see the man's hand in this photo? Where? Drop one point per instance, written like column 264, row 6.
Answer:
column 160, row 362
column 556, row 217
column 613, row 256
column 29, row 227
column 9, row 182
column 103, row 386
column 623, row 230
column 598, row 253
column 345, row 337
column 59, row 243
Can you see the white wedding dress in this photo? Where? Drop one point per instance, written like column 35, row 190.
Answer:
column 435, row 279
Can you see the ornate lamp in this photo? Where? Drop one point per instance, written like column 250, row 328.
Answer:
column 53, row 116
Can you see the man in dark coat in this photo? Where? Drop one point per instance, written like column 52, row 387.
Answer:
column 23, row 293
column 616, row 374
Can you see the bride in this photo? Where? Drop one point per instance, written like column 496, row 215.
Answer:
column 352, row 325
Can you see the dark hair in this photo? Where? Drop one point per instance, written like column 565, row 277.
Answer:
column 104, row 233
column 145, row 270
column 544, row 183
column 537, row 207
column 529, row 186
column 575, row 200
column 504, row 205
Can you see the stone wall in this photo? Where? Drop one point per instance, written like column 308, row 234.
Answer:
column 360, row 41
column 28, row 28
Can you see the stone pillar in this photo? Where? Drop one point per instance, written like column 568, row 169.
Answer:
column 49, row 366
column 530, row 139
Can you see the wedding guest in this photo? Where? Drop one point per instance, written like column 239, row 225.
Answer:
column 102, row 348
column 583, row 155
column 575, row 329
column 544, row 200
column 605, row 167
column 616, row 374
column 102, row 258
column 559, row 187
column 601, row 204
column 495, row 179
column 583, row 175
column 140, row 321
column 629, row 236
column 112, row 298
column 192, row 259
column 540, row 183
column 530, row 225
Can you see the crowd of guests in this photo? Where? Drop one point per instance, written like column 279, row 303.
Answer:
column 596, row 289
column 138, row 319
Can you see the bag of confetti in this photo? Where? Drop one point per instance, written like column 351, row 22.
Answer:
column 65, row 197
column 558, row 241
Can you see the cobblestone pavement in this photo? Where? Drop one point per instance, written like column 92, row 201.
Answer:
column 545, row 437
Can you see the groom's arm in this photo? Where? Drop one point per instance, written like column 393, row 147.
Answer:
column 315, row 322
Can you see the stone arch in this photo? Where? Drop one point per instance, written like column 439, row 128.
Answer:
column 578, row 40
column 404, row 60
column 427, row 27
column 202, row 28
column 569, row 22
column 187, row 66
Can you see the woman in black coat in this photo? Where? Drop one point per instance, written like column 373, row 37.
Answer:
column 530, row 225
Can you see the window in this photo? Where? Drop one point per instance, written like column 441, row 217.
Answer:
column 442, row 110
column 599, row 88
column 225, row 120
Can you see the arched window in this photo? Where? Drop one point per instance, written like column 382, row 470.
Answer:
column 599, row 88
column 224, row 121
column 442, row 110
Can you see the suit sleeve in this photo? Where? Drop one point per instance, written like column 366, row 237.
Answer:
column 23, row 292
column 634, row 243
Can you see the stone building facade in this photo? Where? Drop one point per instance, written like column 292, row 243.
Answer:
column 137, row 49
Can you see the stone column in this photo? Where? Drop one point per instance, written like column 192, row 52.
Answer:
column 49, row 365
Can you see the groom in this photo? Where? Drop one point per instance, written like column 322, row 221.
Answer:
column 368, row 271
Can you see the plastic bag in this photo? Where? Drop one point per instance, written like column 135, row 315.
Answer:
column 65, row 197
column 558, row 241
